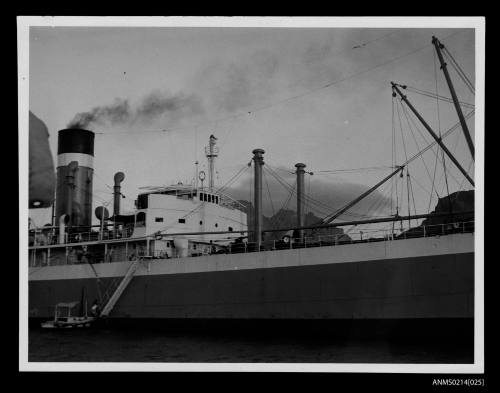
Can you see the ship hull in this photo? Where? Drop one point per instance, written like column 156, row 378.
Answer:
column 427, row 278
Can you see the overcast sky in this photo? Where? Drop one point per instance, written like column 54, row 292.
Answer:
column 318, row 96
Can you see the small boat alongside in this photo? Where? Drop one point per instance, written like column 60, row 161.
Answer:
column 65, row 318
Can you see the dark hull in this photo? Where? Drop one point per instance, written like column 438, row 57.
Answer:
column 436, row 287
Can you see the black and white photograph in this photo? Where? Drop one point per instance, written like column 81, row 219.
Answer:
column 291, row 194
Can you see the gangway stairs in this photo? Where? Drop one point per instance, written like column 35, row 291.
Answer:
column 119, row 290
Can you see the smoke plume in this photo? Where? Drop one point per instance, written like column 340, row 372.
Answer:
column 252, row 81
column 152, row 107
column 117, row 112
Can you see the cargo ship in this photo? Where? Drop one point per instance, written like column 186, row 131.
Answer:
column 187, row 253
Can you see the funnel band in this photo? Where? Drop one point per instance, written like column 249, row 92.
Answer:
column 82, row 159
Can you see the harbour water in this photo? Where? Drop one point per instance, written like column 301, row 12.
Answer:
column 149, row 345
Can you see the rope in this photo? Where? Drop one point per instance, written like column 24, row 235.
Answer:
column 320, row 205
column 416, row 142
column 401, row 129
column 459, row 70
column 437, row 96
column 372, row 168
column 277, row 221
column 439, row 130
column 306, row 203
column 394, row 182
column 448, row 132
column 268, row 192
column 233, row 179
column 412, row 194
column 408, row 195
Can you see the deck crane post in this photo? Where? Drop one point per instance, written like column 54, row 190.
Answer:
column 438, row 45
column 433, row 134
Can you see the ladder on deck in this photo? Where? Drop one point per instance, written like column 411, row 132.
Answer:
column 119, row 290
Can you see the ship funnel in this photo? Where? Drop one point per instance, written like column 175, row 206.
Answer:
column 258, row 163
column 300, row 197
column 75, row 168
column 119, row 177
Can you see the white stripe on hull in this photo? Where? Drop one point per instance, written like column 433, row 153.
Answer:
column 349, row 253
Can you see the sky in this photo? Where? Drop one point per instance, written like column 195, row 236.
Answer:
column 320, row 96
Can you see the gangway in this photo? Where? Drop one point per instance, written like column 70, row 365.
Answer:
column 119, row 290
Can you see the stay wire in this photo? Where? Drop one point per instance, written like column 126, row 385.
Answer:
column 459, row 71
column 437, row 96
column 319, row 205
column 416, row 142
column 268, row 192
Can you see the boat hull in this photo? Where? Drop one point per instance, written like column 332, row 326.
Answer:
column 427, row 278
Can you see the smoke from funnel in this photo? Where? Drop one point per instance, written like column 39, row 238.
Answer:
column 152, row 107
column 228, row 87
column 117, row 112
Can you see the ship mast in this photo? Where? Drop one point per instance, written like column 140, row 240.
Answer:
column 438, row 140
column 433, row 134
column 300, row 197
column 438, row 45
column 211, row 152
column 258, row 163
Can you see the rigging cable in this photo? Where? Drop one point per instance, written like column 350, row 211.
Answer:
column 406, row 157
column 268, row 192
column 394, row 182
column 437, row 96
column 224, row 187
column 438, row 112
column 319, row 205
column 351, row 170
column 276, row 222
column 418, row 154
column 459, row 70
column 412, row 194
column 306, row 202
column 439, row 129
column 408, row 195
column 416, row 142
column 423, row 137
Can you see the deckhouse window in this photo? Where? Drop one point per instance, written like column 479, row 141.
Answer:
column 140, row 219
column 142, row 201
column 182, row 220
column 158, row 219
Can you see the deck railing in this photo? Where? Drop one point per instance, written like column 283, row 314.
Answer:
column 47, row 239
column 366, row 236
column 43, row 257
